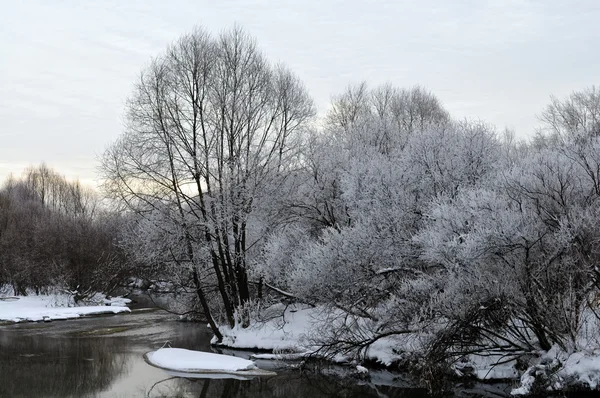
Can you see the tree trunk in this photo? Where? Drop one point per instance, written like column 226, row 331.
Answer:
column 205, row 307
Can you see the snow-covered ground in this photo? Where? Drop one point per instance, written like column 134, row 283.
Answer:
column 291, row 337
column 578, row 367
column 56, row 306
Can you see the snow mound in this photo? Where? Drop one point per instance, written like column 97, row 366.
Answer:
column 182, row 360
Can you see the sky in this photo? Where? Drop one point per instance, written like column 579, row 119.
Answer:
column 67, row 67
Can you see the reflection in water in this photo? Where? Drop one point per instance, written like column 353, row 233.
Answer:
column 35, row 366
column 281, row 386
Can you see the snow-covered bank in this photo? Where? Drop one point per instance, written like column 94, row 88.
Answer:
column 292, row 337
column 287, row 333
column 290, row 333
column 55, row 307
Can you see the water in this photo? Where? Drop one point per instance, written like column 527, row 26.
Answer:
column 102, row 357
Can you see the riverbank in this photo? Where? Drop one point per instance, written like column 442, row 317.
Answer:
column 59, row 306
column 293, row 333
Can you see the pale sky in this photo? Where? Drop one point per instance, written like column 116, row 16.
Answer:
column 66, row 67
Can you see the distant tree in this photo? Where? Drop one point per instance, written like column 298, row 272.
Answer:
column 384, row 117
column 22, row 213
column 575, row 116
column 52, row 234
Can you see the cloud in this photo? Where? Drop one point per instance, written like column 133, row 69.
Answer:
column 67, row 66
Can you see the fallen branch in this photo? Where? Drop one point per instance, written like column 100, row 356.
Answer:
column 284, row 293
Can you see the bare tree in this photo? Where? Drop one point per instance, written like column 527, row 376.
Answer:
column 209, row 123
column 53, row 235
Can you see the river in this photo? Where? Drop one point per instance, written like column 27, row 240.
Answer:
column 102, row 357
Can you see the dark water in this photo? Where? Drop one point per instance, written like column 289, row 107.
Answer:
column 102, row 357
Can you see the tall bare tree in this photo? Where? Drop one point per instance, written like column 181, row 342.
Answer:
column 209, row 123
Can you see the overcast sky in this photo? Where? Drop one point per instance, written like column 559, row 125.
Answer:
column 66, row 67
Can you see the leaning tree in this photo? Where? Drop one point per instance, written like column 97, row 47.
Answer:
column 209, row 124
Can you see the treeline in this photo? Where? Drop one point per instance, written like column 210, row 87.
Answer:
column 54, row 233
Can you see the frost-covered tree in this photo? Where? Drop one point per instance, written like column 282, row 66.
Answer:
column 518, row 257
column 577, row 116
column 384, row 117
column 368, row 200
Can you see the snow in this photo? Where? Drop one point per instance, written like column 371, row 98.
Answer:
column 578, row 367
column 560, row 369
column 382, row 351
column 116, row 301
column 53, row 307
column 287, row 335
column 282, row 357
column 182, row 360
column 526, row 384
column 584, row 368
column 288, row 338
column 362, row 369
column 498, row 372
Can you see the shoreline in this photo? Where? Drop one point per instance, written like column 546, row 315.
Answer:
column 295, row 337
column 54, row 307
